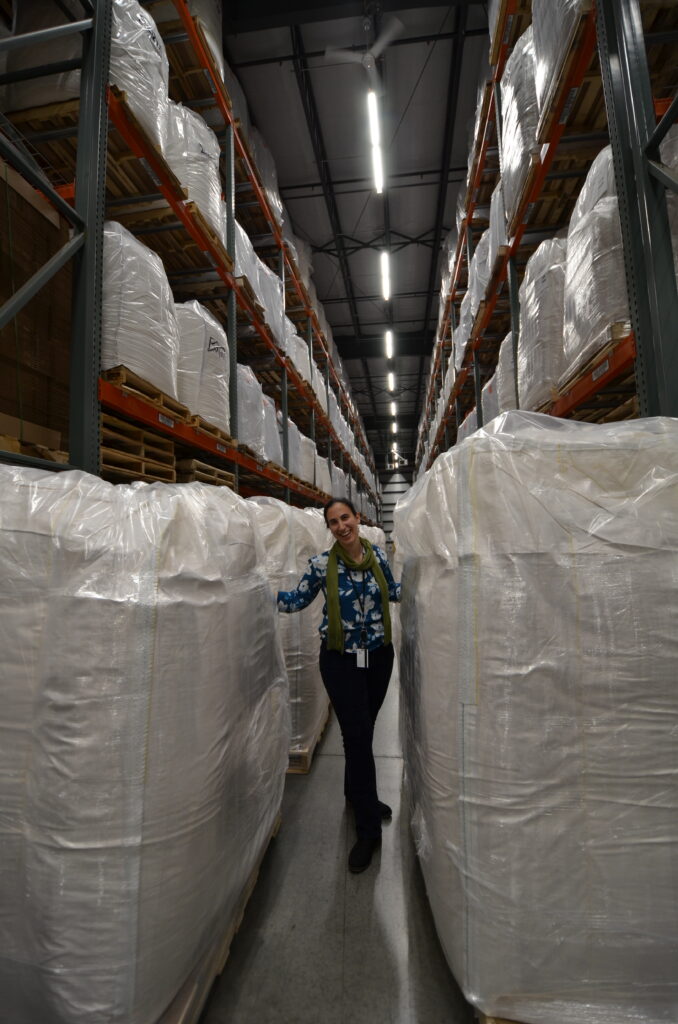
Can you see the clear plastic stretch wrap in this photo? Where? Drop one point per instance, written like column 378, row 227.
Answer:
column 374, row 534
column 323, row 481
column 468, row 426
column 540, row 342
column 308, row 457
column 246, row 263
column 462, row 331
column 595, row 294
column 138, row 62
column 238, row 100
column 251, row 429
column 290, row 538
column 203, row 368
column 208, row 14
column 263, row 158
column 271, row 294
column 519, row 111
column 479, row 272
column 490, row 400
column 338, row 480
column 193, row 153
column 505, row 376
column 553, row 22
column 272, row 443
column 599, row 184
column 319, row 386
column 497, row 227
column 539, row 712
column 143, row 741
column 139, row 325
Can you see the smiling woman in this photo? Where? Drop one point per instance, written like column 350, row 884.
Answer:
column 356, row 656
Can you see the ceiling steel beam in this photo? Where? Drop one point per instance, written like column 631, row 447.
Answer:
column 375, row 298
column 252, row 15
column 372, row 346
column 285, row 58
column 450, row 121
column 322, row 163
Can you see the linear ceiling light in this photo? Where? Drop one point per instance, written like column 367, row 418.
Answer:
column 393, row 409
column 388, row 339
column 385, row 276
column 375, row 138
column 391, row 382
column 394, row 446
column 394, row 427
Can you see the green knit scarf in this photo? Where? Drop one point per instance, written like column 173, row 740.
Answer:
column 335, row 632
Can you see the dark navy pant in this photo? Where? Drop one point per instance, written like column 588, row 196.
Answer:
column 356, row 695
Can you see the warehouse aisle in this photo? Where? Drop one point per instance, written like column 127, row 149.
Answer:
column 324, row 946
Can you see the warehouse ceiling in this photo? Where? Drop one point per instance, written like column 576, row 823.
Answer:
column 312, row 111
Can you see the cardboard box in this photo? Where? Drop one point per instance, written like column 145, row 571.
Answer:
column 30, row 432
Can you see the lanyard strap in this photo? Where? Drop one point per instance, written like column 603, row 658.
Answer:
column 363, row 631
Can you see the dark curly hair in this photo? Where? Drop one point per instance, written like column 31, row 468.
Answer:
column 336, row 501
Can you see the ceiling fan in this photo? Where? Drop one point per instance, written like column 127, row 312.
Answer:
column 368, row 58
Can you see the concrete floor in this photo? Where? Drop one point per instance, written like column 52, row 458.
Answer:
column 323, row 946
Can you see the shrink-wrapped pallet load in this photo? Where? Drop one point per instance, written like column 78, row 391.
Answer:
column 207, row 13
column 139, row 324
column 467, row 426
column 290, row 538
column 265, row 164
column 138, row 62
column 308, row 457
column 203, row 368
column 540, row 342
column 479, row 273
column 505, row 376
column 462, row 331
column 319, row 386
column 272, row 443
column 490, row 398
column 374, row 534
column 497, row 237
column 323, row 480
column 539, row 715
column 553, row 24
column 251, row 428
column 595, row 297
column 519, row 125
column 193, row 152
column 143, row 741
column 293, row 445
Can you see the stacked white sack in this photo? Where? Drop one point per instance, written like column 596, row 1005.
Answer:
column 519, row 111
column 490, row 400
column 338, row 480
column 203, row 369
column 251, row 430
column 540, row 342
column 193, row 152
column 540, row 708
column 272, row 443
column 293, row 445
column 139, row 325
column 319, row 386
column 462, row 331
column 479, row 273
column 553, row 23
column 290, row 538
column 468, row 426
column 375, row 535
column 595, row 295
column 142, row 749
column 505, row 376
column 208, row 14
column 265, row 284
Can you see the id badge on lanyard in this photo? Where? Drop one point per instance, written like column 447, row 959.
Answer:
column 362, row 654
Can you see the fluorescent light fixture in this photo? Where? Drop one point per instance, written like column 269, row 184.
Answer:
column 388, row 339
column 391, row 382
column 394, row 446
column 393, row 409
column 394, row 427
column 373, row 115
column 377, row 170
column 385, row 276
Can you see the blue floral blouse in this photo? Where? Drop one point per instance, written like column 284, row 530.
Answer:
column 359, row 599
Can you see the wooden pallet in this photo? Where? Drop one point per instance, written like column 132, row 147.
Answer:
column 187, row 1006
column 131, row 383
column 509, row 26
column 300, row 760
column 246, row 288
column 122, row 436
column 192, row 470
column 39, row 451
column 615, row 333
column 554, row 95
column 202, row 426
column 132, row 467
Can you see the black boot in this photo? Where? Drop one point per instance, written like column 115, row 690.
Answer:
column 360, row 856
